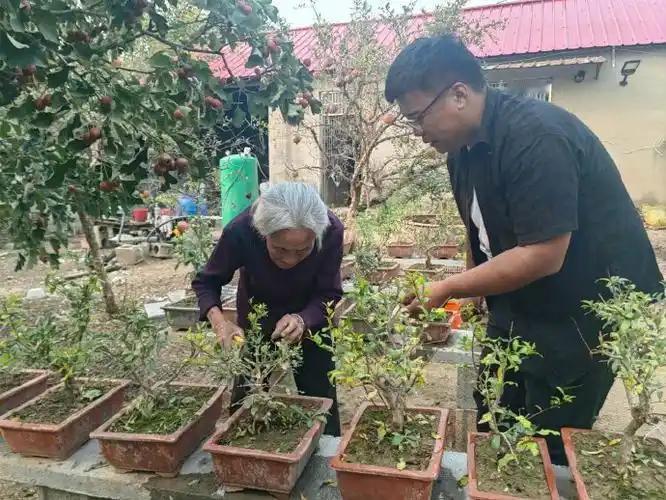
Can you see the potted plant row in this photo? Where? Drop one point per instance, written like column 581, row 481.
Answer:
column 17, row 385
column 168, row 419
column 624, row 465
column 273, row 435
column 57, row 422
column 370, row 264
column 391, row 450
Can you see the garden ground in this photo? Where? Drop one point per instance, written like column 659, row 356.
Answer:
column 153, row 279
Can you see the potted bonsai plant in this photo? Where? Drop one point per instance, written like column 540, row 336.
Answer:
column 57, row 422
column 391, row 450
column 17, row 384
column 606, row 465
column 511, row 461
column 435, row 323
column 370, row 265
column 271, row 435
column 159, row 429
column 447, row 235
column 192, row 248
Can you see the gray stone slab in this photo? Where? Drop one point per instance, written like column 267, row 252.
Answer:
column 154, row 309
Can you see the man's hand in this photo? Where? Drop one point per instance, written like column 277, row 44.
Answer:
column 436, row 292
column 226, row 331
column 290, row 328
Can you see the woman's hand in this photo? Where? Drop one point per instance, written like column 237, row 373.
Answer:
column 290, row 328
column 226, row 331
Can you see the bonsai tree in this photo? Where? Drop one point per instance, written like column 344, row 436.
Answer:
column 259, row 366
column 381, row 359
column 83, row 128
column 416, row 286
column 511, row 434
column 634, row 342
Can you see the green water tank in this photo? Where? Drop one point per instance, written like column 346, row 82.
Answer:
column 239, row 185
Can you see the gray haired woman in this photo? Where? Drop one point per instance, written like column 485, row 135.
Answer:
column 288, row 248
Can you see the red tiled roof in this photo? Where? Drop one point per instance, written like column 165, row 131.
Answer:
column 528, row 27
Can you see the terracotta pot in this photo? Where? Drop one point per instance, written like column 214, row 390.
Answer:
column 361, row 481
column 433, row 273
column 160, row 453
column 346, row 269
column 400, row 250
column 384, row 273
column 443, row 251
column 25, row 392
column 59, row 441
column 473, row 491
column 261, row 470
column 423, row 221
column 436, row 333
column 567, row 438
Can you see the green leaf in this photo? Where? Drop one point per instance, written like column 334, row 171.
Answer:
column 57, row 78
column 239, row 118
column 46, row 24
column 15, row 42
column 401, row 464
column 495, row 442
column 160, row 60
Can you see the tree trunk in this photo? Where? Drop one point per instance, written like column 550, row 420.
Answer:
column 98, row 264
column 397, row 412
column 354, row 202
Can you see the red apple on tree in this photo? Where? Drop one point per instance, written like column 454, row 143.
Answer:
column 178, row 114
column 182, row 226
column 307, row 62
column 244, row 7
column 181, row 165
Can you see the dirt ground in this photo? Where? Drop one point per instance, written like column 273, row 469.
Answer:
column 153, row 279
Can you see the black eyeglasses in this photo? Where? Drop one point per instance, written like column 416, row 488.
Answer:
column 417, row 121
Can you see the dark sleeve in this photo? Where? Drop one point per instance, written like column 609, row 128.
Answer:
column 219, row 271
column 542, row 190
column 328, row 287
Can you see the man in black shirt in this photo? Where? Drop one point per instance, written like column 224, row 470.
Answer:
column 547, row 216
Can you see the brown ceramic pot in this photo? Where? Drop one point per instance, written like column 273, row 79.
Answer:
column 385, row 272
column 25, row 392
column 400, row 250
column 261, row 470
column 567, row 435
column 160, row 453
column 436, row 333
column 473, row 491
column 60, row 440
column 443, row 251
column 361, row 481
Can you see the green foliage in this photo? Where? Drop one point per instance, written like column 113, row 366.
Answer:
column 81, row 299
column 260, row 365
column 82, row 130
column 194, row 246
column 512, row 434
column 634, row 342
column 416, row 285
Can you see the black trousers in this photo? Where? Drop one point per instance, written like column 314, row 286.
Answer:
column 311, row 380
column 533, row 391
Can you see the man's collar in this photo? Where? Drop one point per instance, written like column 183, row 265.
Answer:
column 483, row 134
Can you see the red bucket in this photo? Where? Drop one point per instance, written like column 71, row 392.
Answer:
column 140, row 214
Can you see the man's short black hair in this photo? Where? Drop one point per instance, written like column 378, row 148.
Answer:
column 430, row 64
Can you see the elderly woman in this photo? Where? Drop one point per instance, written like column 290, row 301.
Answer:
column 288, row 247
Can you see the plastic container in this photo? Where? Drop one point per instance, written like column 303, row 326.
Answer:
column 140, row 214
column 239, row 185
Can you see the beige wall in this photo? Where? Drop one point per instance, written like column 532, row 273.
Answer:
column 630, row 121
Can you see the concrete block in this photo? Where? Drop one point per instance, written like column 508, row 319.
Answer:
column 129, row 255
column 154, row 309
column 161, row 250
column 35, row 294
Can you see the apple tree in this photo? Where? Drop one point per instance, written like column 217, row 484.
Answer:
column 79, row 129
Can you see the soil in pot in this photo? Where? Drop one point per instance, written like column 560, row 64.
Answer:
column 363, row 448
column 58, row 405
column 598, row 462
column 283, row 436
column 526, row 480
column 9, row 381
column 170, row 414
